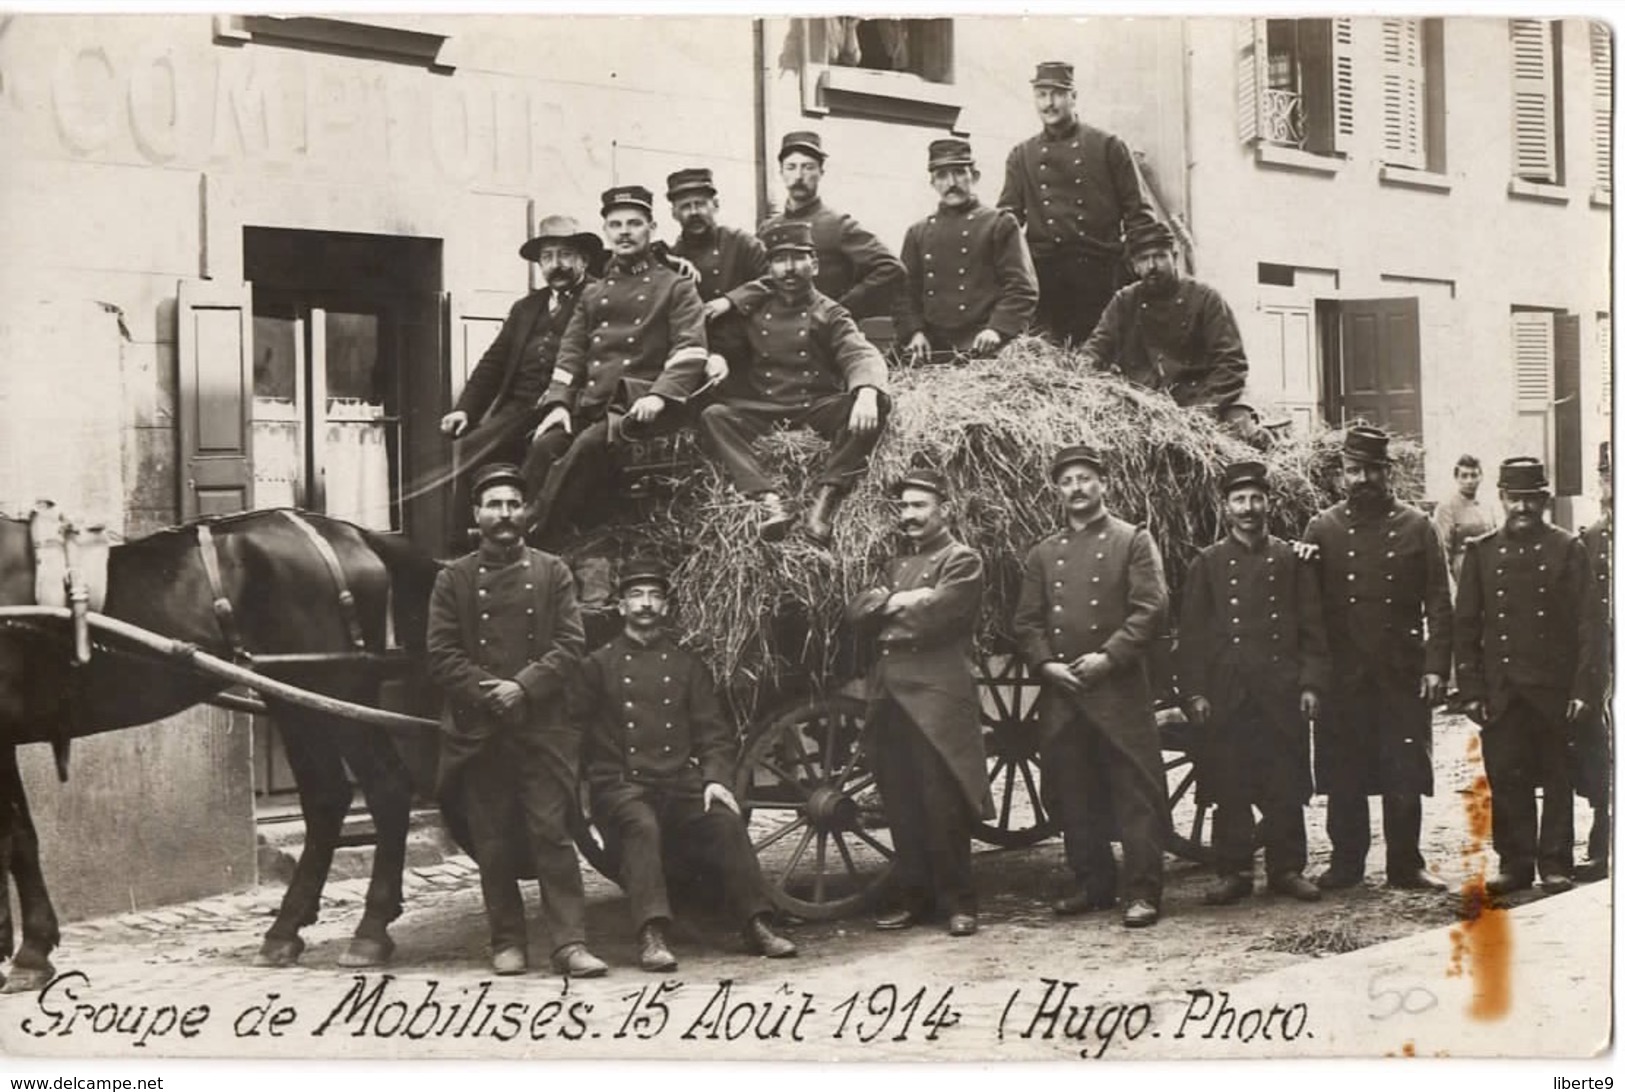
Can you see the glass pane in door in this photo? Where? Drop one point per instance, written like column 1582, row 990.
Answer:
column 359, row 437
column 278, row 425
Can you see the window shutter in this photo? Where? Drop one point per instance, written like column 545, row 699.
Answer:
column 1568, row 456
column 1251, row 78
column 1532, row 360
column 1534, row 123
column 1602, row 108
column 1343, row 83
column 1403, row 141
column 1605, row 352
column 214, row 397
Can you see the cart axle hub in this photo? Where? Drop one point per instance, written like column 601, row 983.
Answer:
column 829, row 809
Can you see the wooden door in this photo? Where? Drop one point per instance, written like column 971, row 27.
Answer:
column 214, row 397
column 1378, row 367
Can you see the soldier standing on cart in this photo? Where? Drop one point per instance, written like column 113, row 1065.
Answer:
column 1253, row 663
column 659, row 758
column 1093, row 597
column 1385, row 594
column 1594, row 746
column 1526, row 662
column 504, row 636
column 924, row 716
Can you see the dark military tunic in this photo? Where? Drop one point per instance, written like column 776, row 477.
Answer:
column 854, row 267
column 1594, row 761
column 1382, row 578
column 1080, row 188
column 968, row 271
column 1187, row 344
column 725, row 260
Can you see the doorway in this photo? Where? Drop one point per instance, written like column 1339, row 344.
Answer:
column 1373, row 354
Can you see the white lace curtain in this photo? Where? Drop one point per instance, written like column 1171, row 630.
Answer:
column 355, row 455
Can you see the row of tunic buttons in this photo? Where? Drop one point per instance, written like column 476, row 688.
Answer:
column 485, row 616
column 1060, row 562
column 666, row 680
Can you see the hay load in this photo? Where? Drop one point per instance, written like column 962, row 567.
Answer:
column 760, row 613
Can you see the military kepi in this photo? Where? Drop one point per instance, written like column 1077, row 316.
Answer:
column 690, row 180
column 628, row 197
column 789, row 235
column 644, row 570
column 1075, row 453
column 1053, row 74
column 949, row 152
column 1365, row 444
column 924, row 478
column 496, row 474
column 1144, row 237
column 803, row 140
column 1523, row 474
column 1247, row 472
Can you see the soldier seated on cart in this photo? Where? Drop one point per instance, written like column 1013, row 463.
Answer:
column 659, row 756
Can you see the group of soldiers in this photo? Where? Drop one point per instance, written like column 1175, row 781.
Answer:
column 1346, row 638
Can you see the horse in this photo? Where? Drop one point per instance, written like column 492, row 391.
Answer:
column 267, row 582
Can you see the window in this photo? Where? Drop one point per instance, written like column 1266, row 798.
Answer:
column 1297, row 84
column 1546, row 393
column 1605, row 353
column 899, row 69
column 1413, row 94
column 1537, row 101
column 376, row 38
column 1602, row 113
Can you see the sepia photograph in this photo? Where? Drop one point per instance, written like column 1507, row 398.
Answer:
column 785, row 536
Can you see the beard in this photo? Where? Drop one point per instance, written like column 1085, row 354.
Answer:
column 1369, row 496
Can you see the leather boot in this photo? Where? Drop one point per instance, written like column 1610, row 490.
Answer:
column 820, row 521
column 653, row 953
column 1230, row 888
column 761, row 939
column 772, row 520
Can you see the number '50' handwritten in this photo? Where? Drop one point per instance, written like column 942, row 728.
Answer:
column 1410, row 1000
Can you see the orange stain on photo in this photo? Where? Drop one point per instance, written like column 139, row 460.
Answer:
column 1482, row 943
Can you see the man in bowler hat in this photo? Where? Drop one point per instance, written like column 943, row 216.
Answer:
column 660, row 756
column 504, row 636
column 1385, row 594
column 1093, row 597
column 1526, row 667
column 1253, row 664
column 923, row 724
column 1077, row 190
column 971, row 285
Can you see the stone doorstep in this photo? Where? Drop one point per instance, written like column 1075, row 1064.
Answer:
column 428, row 845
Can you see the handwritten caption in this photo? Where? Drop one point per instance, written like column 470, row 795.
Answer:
column 383, row 1007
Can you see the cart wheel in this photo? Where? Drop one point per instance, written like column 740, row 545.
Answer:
column 1009, row 699
column 808, row 792
column 1191, row 836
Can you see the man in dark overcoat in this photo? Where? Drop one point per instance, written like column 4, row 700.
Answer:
column 1526, row 667
column 504, row 637
column 723, row 257
column 971, row 285
column 1385, row 593
column 924, row 727
column 1093, row 597
column 1253, row 663
column 1594, row 746
column 500, row 404
column 660, row 756
column 1077, row 190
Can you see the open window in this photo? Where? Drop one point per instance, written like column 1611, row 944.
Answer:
column 1546, row 376
column 1296, row 85
column 898, row 69
column 1413, row 113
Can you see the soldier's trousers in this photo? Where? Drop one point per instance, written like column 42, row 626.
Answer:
column 655, row 829
column 728, row 429
column 577, row 468
column 926, row 809
column 1090, row 780
column 529, row 786
column 1348, row 825
column 1525, row 748
column 1257, row 774
column 1073, row 290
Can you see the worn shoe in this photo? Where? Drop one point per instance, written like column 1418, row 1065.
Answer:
column 1419, row 880
column 1294, row 886
column 1556, row 885
column 1589, row 871
column 1140, row 914
column 506, row 961
column 819, row 523
column 1229, row 889
column 575, row 961
column 653, row 953
column 1505, row 883
column 773, row 521
column 899, row 919
column 1081, row 902
column 1336, row 879
column 961, row 925
column 761, row 939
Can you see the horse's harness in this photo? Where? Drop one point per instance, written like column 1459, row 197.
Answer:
column 226, row 617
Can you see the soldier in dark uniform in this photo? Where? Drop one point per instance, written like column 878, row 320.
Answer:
column 1252, row 658
column 1526, row 664
column 660, row 757
column 504, row 636
column 635, row 346
column 809, row 368
column 1093, row 597
column 924, row 724
column 1077, row 190
column 724, row 258
column 1167, row 332
column 501, row 399
column 1594, row 745
column 1382, row 580
column 971, row 285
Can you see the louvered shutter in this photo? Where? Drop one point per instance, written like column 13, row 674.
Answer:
column 1403, row 139
column 1343, row 84
column 1602, row 108
column 1568, row 453
column 1605, row 352
column 1251, row 77
column 1532, row 360
column 1534, row 118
